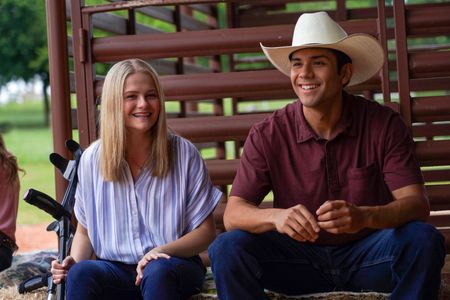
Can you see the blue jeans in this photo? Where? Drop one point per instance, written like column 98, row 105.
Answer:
column 405, row 262
column 174, row 278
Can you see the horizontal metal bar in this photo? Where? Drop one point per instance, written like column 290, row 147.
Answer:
column 429, row 64
column 140, row 3
column 431, row 130
column 436, row 175
column 437, row 106
column 219, row 129
column 203, row 42
column 433, row 150
column 222, row 171
column 262, row 84
column 267, row 83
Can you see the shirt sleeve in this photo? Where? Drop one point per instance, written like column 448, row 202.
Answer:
column 84, row 182
column 8, row 204
column 202, row 196
column 252, row 181
column 400, row 167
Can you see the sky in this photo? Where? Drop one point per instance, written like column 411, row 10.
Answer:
column 19, row 91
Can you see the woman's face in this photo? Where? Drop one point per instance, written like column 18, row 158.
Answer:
column 141, row 103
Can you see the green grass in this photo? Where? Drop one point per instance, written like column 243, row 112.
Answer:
column 30, row 141
column 21, row 115
column 32, row 148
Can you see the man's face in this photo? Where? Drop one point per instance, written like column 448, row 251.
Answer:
column 315, row 78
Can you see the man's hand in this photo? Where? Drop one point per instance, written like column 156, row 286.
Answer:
column 298, row 223
column 339, row 216
column 155, row 253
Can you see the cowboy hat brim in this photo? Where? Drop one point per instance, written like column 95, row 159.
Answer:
column 365, row 51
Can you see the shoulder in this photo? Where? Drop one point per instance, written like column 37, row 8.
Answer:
column 182, row 148
column 279, row 119
column 92, row 150
column 178, row 142
column 186, row 159
column 375, row 115
column 379, row 123
column 91, row 155
column 371, row 108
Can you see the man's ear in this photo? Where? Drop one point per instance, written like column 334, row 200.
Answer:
column 346, row 74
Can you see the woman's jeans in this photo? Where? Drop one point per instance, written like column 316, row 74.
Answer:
column 405, row 262
column 174, row 278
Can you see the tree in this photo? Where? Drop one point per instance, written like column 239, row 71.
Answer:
column 23, row 44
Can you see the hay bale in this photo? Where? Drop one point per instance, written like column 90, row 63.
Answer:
column 11, row 293
column 28, row 265
column 23, row 267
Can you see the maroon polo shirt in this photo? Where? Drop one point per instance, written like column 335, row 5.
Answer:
column 370, row 154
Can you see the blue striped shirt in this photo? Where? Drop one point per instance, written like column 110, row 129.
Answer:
column 126, row 219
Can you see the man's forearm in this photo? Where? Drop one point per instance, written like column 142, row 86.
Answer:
column 397, row 212
column 239, row 214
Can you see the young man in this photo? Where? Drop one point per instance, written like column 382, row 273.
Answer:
column 349, row 201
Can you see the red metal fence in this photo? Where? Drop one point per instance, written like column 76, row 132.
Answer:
column 208, row 54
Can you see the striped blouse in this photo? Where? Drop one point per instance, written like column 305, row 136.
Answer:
column 126, row 219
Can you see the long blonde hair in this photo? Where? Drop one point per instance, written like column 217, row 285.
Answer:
column 9, row 163
column 112, row 124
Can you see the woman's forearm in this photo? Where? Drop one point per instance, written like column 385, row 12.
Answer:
column 81, row 245
column 194, row 242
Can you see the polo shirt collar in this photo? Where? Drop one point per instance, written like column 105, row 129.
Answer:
column 345, row 124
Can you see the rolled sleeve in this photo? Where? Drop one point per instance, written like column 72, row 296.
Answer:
column 202, row 196
column 252, row 181
column 400, row 166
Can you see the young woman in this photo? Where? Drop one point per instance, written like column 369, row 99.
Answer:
column 144, row 200
column 9, row 201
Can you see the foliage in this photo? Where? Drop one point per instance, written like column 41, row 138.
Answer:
column 23, row 40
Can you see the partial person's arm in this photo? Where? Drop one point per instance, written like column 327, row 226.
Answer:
column 193, row 242
column 297, row 221
column 81, row 250
column 188, row 245
column 410, row 204
column 81, row 245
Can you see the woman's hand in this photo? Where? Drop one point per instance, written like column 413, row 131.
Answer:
column 153, row 254
column 59, row 270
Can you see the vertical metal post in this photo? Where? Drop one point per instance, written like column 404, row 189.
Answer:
column 131, row 23
column 402, row 60
column 382, row 37
column 341, row 11
column 179, row 67
column 84, row 69
column 89, row 77
column 59, row 82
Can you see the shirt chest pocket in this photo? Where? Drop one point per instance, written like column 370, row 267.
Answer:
column 366, row 186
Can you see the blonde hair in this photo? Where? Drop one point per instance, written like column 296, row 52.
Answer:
column 112, row 124
column 9, row 163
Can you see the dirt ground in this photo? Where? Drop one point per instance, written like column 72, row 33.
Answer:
column 35, row 237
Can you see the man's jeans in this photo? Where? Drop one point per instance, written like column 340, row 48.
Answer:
column 405, row 262
column 174, row 278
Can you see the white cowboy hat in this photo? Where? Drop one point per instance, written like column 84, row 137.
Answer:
column 319, row 30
